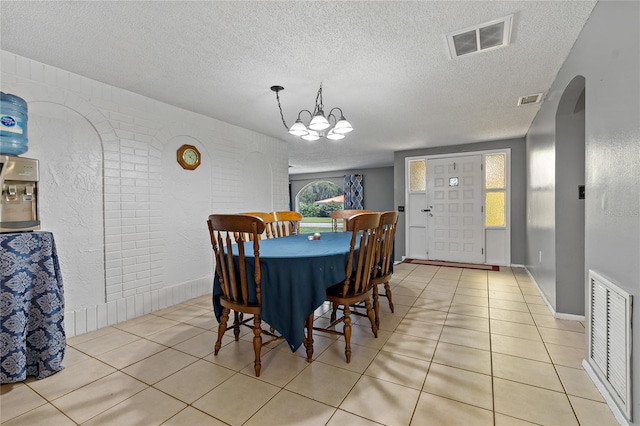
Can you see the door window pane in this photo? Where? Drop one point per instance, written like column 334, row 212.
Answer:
column 495, row 171
column 417, row 175
column 494, row 204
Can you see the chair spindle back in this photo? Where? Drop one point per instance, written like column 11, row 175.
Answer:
column 268, row 219
column 386, row 235
column 227, row 231
column 286, row 223
column 364, row 228
column 345, row 215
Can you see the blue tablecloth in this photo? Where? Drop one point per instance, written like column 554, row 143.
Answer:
column 32, row 306
column 295, row 275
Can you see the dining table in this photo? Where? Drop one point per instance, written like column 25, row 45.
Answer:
column 296, row 272
column 31, row 305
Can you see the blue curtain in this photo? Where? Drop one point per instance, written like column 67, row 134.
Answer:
column 353, row 192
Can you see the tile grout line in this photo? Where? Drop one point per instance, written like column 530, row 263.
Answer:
column 361, row 375
column 493, row 390
column 555, row 369
column 434, row 350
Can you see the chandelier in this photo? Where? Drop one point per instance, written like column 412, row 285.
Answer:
column 319, row 126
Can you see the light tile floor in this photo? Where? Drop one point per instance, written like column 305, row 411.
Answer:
column 463, row 347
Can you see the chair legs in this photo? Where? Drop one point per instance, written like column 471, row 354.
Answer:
column 376, row 305
column 347, row 326
column 308, row 342
column 371, row 315
column 346, row 321
column 347, row 332
column 388, row 295
column 376, row 300
column 257, row 342
column 257, row 335
column 221, row 329
column 237, row 319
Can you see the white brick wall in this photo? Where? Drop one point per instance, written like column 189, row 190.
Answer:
column 150, row 248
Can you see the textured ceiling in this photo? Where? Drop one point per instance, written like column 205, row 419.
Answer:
column 386, row 64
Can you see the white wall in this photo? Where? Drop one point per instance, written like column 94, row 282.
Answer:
column 129, row 222
column 607, row 54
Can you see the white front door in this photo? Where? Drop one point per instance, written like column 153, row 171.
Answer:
column 455, row 218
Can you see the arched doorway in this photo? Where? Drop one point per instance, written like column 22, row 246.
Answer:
column 569, row 199
column 315, row 201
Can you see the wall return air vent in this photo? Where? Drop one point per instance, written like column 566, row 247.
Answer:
column 478, row 38
column 609, row 338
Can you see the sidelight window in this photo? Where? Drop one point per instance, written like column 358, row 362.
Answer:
column 417, row 175
column 495, row 190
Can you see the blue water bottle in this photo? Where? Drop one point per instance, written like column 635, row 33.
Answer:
column 13, row 125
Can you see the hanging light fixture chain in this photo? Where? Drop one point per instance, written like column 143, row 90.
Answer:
column 280, row 108
column 319, row 106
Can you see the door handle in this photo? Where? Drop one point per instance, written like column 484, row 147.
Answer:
column 426, row 210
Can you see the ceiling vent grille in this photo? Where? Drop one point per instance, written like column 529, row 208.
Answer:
column 530, row 99
column 487, row 36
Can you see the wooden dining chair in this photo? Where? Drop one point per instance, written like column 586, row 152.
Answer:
column 343, row 215
column 357, row 285
column 226, row 231
column 268, row 219
column 382, row 265
column 382, row 270
column 286, row 223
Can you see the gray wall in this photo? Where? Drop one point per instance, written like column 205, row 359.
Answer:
column 518, row 187
column 607, row 54
column 377, row 182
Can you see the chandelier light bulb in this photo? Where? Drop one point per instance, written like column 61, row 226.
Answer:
column 298, row 128
column 311, row 136
column 343, row 126
column 318, row 122
column 334, row 136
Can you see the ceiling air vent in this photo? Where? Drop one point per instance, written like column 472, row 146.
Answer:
column 530, row 99
column 487, row 36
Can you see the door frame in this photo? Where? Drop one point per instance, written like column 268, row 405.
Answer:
column 504, row 236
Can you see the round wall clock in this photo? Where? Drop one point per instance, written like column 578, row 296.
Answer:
column 188, row 157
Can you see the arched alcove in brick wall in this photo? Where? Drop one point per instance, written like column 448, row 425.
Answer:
column 64, row 137
column 71, row 197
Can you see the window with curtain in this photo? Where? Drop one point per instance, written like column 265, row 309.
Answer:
column 353, row 192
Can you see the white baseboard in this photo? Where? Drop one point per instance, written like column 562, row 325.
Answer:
column 546, row 301
column 102, row 315
column 571, row 317
column 592, row 375
column 555, row 314
column 603, row 391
